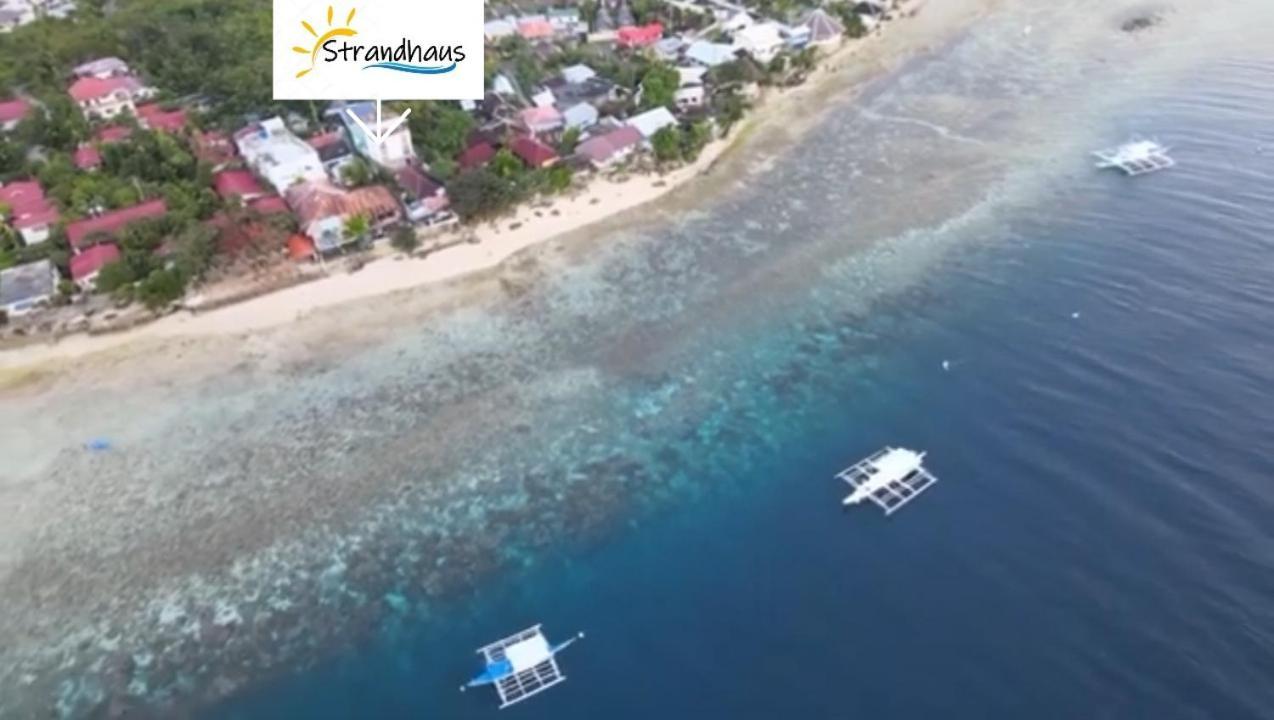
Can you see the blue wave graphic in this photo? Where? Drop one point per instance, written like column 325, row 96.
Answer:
column 416, row 69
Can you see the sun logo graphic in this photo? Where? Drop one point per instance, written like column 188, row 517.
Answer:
column 332, row 32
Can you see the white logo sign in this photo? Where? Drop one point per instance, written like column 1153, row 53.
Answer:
column 382, row 49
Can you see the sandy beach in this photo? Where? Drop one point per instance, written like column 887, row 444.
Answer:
column 602, row 199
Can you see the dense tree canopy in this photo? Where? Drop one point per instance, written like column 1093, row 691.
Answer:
column 218, row 49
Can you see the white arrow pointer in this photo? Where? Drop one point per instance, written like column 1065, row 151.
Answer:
column 379, row 139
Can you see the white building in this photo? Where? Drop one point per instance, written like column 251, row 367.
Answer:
column 762, row 41
column 395, row 152
column 710, row 54
column 107, row 97
column 277, row 155
column 652, row 121
column 16, row 13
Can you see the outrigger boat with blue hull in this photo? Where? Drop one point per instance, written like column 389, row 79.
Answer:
column 520, row 665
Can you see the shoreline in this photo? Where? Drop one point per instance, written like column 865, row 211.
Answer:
column 601, row 201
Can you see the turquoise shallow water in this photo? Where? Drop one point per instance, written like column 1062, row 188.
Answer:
column 1099, row 545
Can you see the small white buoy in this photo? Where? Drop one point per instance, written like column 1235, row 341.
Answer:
column 946, row 365
column 1075, row 315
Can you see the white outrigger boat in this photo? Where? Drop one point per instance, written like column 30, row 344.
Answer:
column 1135, row 157
column 891, row 478
column 520, row 665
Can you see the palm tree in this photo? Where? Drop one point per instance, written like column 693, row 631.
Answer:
column 356, row 228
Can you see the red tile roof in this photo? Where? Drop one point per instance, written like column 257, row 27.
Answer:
column 300, row 247
column 476, row 156
column 156, row 118
column 114, row 134
column 270, row 205
column 313, row 201
column 94, row 88
column 416, row 182
column 87, row 157
column 15, row 109
column 535, row 29
column 322, row 140
column 539, row 119
column 93, row 259
column 237, row 183
column 28, row 208
column 533, row 152
column 601, row 148
column 640, row 36
column 109, row 223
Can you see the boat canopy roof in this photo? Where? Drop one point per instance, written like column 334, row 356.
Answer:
column 528, row 653
column 897, row 463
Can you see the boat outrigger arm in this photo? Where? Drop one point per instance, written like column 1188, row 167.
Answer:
column 520, row 665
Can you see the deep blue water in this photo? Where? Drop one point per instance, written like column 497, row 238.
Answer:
column 1101, row 544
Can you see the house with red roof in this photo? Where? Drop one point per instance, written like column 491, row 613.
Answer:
column 424, row 197
column 113, row 134
column 29, row 211
column 607, row 149
column 639, row 36
column 237, row 183
column 107, row 97
column 476, row 156
column 13, row 112
column 533, row 152
column 86, row 266
column 153, row 117
column 82, row 233
column 270, row 205
column 540, row 120
column 322, row 209
column 87, row 157
column 535, row 27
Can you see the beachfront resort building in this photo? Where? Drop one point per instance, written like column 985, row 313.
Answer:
column 323, row 209
column 29, row 212
column 652, row 121
column 763, row 41
column 23, row 288
column 277, row 155
column 394, row 152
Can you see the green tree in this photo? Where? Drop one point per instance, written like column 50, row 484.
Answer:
column 559, row 178
column 505, row 164
column 694, row 138
column 161, row 288
column 667, row 144
column 115, row 275
column 440, row 129
column 479, row 194
column 659, row 86
column 405, row 239
column 356, row 227
column 357, row 173
column 570, row 139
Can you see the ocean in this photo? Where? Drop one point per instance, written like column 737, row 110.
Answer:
column 1100, row 543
